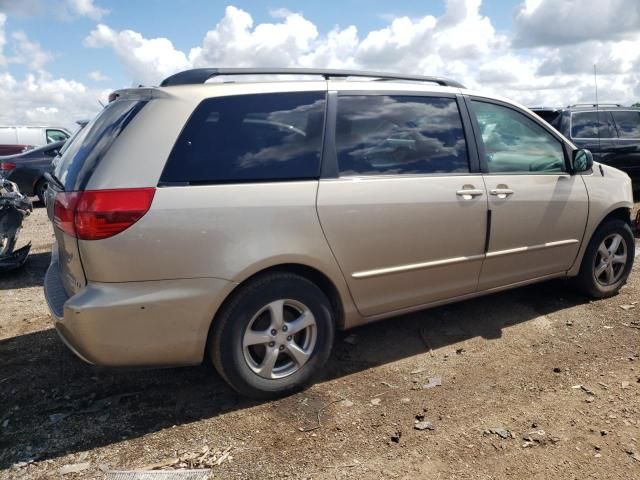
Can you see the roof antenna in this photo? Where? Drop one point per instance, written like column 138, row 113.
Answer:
column 595, row 81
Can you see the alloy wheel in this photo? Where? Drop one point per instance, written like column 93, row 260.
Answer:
column 610, row 260
column 279, row 339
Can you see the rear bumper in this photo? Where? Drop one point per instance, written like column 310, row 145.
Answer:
column 135, row 324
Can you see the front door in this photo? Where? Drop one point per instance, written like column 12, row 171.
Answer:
column 538, row 212
column 406, row 219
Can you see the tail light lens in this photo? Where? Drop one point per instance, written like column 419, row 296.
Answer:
column 7, row 166
column 99, row 214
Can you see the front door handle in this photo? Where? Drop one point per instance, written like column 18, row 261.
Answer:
column 501, row 192
column 468, row 193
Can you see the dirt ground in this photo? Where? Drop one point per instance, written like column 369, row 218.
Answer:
column 556, row 374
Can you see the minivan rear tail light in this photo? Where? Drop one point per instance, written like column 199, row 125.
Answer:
column 99, row 214
column 7, row 166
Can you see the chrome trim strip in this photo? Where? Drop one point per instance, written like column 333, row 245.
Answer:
column 531, row 248
column 452, row 261
column 415, row 266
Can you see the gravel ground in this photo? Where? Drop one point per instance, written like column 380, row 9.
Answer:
column 555, row 374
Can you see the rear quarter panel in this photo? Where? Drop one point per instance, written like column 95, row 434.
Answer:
column 228, row 232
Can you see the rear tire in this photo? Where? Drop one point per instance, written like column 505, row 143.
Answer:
column 607, row 260
column 273, row 337
column 41, row 189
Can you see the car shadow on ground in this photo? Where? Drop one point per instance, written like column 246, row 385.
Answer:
column 51, row 404
column 31, row 274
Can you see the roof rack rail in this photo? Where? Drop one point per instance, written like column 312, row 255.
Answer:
column 201, row 75
column 594, row 105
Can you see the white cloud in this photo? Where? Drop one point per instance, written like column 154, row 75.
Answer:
column 3, row 38
column 97, row 76
column 86, row 8
column 553, row 22
column 461, row 44
column 535, row 64
column 39, row 97
column 28, row 53
column 42, row 98
column 144, row 60
column 64, row 9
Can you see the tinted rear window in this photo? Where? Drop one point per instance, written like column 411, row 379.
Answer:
column 85, row 150
column 381, row 134
column 628, row 123
column 591, row 125
column 262, row 137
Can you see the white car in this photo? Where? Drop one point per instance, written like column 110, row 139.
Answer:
column 35, row 136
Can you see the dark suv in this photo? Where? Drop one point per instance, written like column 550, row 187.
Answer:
column 610, row 131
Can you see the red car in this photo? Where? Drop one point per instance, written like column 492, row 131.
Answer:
column 14, row 149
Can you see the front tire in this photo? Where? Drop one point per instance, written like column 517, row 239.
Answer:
column 607, row 260
column 273, row 337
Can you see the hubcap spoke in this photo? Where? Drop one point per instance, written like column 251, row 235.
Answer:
column 620, row 258
column 600, row 270
column 276, row 310
column 303, row 321
column 298, row 355
column 253, row 337
column 266, row 367
column 610, row 273
column 615, row 244
column 603, row 250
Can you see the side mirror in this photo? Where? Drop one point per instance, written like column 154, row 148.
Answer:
column 581, row 161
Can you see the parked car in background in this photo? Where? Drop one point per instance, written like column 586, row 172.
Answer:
column 32, row 135
column 13, row 149
column 28, row 169
column 610, row 131
column 248, row 221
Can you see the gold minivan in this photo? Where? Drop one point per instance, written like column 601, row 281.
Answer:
column 247, row 220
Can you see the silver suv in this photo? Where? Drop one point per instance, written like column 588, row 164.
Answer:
column 247, row 221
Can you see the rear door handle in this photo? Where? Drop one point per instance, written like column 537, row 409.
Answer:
column 469, row 193
column 501, row 192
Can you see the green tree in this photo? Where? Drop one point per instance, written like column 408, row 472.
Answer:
column 637, row 104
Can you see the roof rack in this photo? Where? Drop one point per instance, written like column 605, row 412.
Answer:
column 594, row 105
column 201, row 75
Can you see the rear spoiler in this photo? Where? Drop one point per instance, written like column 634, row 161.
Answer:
column 140, row 93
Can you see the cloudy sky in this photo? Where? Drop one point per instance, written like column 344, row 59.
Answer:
column 58, row 58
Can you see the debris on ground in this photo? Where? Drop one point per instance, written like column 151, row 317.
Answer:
column 205, row 458
column 73, row 468
column 460, row 351
column 433, row 382
column 628, row 307
column 396, row 436
column 423, row 425
column 538, row 438
column 499, row 431
column 375, row 401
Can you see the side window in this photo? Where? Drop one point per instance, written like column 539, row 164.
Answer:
column 514, row 143
column 628, row 123
column 275, row 136
column 591, row 125
column 56, row 136
column 381, row 134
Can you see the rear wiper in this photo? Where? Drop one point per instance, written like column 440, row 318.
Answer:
column 51, row 178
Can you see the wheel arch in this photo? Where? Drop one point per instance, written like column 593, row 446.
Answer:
column 621, row 211
column 313, row 274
